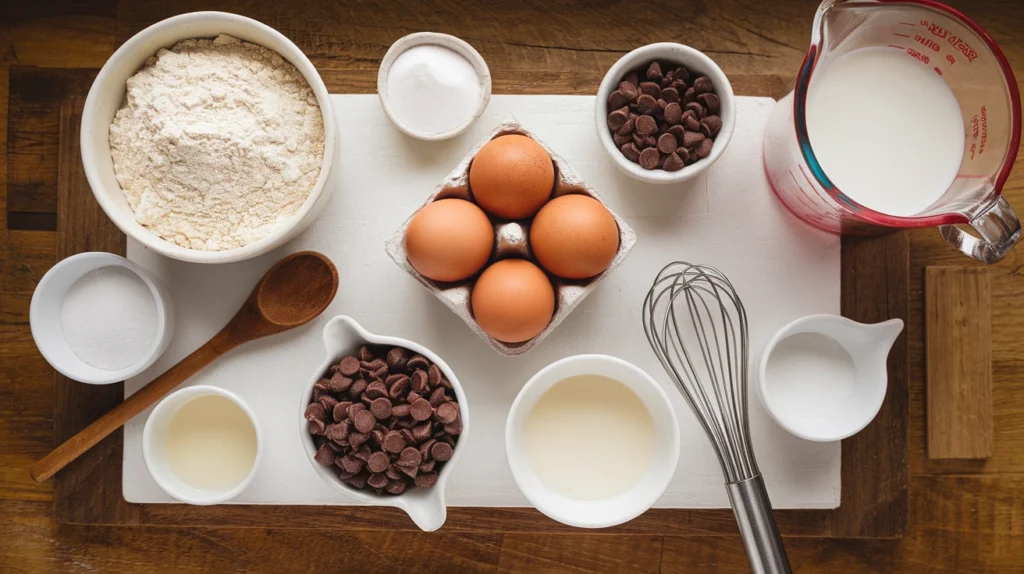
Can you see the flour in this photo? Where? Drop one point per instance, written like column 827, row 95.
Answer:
column 217, row 142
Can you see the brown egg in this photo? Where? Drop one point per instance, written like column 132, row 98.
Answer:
column 513, row 300
column 574, row 237
column 449, row 240
column 511, row 177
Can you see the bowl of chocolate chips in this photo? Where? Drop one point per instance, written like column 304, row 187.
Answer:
column 665, row 112
column 382, row 419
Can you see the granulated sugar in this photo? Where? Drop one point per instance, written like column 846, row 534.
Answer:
column 433, row 89
column 109, row 318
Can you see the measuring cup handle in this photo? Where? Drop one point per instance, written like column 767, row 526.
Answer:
column 998, row 227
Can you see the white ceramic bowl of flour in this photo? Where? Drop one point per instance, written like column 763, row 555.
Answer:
column 108, row 92
column 99, row 318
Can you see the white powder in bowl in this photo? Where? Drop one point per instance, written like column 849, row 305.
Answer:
column 433, row 89
column 218, row 141
column 109, row 318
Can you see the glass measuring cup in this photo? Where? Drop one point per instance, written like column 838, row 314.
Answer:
column 971, row 64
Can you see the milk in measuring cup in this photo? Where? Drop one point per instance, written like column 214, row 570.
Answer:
column 886, row 129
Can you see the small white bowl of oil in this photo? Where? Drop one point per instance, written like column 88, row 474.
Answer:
column 592, row 441
column 202, row 445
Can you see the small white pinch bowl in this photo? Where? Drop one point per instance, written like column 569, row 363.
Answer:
column 48, row 332
column 154, row 432
column 697, row 63
column 619, row 508
column 107, row 94
column 426, row 507
column 830, row 416
column 444, row 40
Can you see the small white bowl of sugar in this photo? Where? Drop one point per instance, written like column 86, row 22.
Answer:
column 98, row 318
column 433, row 86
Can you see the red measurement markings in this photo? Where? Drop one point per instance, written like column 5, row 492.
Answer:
column 895, row 46
column 927, row 42
column 935, row 29
column 901, row 35
column 937, row 70
column 909, row 23
column 963, row 47
column 917, row 55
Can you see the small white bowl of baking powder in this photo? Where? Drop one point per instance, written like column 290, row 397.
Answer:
column 99, row 318
column 433, row 86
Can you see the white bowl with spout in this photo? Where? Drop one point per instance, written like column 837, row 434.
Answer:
column 823, row 378
column 426, row 507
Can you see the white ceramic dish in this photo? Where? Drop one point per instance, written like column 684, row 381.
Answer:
column 48, row 333
column 832, row 413
column 447, row 41
column 107, row 94
column 153, row 439
column 343, row 336
column 697, row 63
column 619, row 508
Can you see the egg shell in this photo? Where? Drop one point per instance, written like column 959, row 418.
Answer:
column 574, row 236
column 513, row 300
column 511, row 177
column 511, row 242
column 449, row 240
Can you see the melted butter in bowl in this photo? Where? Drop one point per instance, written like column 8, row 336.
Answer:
column 589, row 437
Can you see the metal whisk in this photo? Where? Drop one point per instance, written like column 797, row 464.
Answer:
column 696, row 324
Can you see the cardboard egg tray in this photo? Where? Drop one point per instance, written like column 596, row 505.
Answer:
column 511, row 241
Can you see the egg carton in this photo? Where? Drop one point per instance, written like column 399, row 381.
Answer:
column 511, row 241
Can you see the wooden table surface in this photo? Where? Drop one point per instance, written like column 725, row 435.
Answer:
column 963, row 517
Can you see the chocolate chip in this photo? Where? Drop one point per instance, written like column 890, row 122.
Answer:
column 412, row 397
column 399, row 388
column 377, row 481
column 673, row 162
column 349, row 366
column 394, row 442
column 454, row 428
column 631, row 78
column 340, row 411
column 358, row 481
column 646, row 104
column 363, row 454
column 617, row 99
column 337, row 432
column 622, row 139
column 410, row 457
column 392, row 472
column 357, row 388
column 654, row 71
column 713, row 123
column 697, row 109
column 365, row 354
column 324, row 455
column 350, row 463
column 650, row 89
column 690, row 121
column 673, row 113
column 427, row 466
column 629, row 90
column 421, row 432
column 617, row 119
column 691, row 139
column 642, row 141
column 320, row 388
column 684, row 154
column 315, row 411
column 630, row 151
column 704, row 149
column 420, row 409
column 670, row 95
column 677, row 131
column 316, row 427
column 667, row 143
column 426, row 480
column 381, row 408
column 397, row 357
column 376, row 437
column 395, row 487
column 407, row 435
column 355, row 408
column 328, row 403
column 702, row 85
column 378, row 462
column 376, row 390
column 710, row 102
column 646, row 125
column 649, row 158
column 400, row 411
column 356, row 439
column 436, row 398
column 433, row 375
column 448, row 412
column 689, row 95
column 339, row 383
column 419, row 381
column 441, row 451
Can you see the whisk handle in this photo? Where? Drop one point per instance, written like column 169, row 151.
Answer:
column 760, row 534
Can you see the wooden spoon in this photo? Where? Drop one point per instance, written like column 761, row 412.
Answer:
column 292, row 292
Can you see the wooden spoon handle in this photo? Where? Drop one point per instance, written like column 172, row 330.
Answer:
column 88, row 437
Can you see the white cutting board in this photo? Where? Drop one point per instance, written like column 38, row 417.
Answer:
column 727, row 218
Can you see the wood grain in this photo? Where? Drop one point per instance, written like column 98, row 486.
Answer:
column 958, row 354
column 964, row 516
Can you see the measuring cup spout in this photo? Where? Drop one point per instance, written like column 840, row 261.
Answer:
column 886, row 334
column 998, row 227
